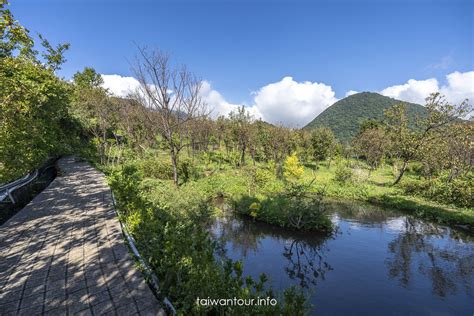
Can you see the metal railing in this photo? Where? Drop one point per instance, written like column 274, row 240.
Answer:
column 6, row 190
column 18, row 193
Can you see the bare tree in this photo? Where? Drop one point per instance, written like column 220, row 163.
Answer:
column 172, row 94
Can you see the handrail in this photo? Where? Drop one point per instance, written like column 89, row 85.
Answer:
column 7, row 189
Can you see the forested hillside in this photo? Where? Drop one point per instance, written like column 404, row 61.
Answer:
column 345, row 116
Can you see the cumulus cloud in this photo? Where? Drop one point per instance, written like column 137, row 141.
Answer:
column 286, row 102
column 459, row 86
column 120, row 86
column 293, row 103
column 413, row 91
column 351, row 92
column 219, row 106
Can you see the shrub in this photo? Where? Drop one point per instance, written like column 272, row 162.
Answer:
column 343, row 174
column 295, row 208
column 457, row 192
column 415, row 168
column 157, row 168
column 292, row 168
column 360, row 175
column 188, row 171
column 163, row 169
column 263, row 176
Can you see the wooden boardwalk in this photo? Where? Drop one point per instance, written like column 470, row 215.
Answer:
column 64, row 254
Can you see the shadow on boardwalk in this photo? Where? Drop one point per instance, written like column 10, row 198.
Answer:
column 64, row 253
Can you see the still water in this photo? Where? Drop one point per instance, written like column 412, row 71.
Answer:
column 378, row 262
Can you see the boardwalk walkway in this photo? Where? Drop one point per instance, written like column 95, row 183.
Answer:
column 63, row 254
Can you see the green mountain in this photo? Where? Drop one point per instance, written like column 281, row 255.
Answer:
column 345, row 116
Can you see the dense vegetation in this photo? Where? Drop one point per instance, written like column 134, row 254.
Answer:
column 173, row 169
column 34, row 117
column 345, row 116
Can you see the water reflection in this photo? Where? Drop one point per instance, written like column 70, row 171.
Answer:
column 379, row 260
column 304, row 252
column 306, row 262
column 420, row 246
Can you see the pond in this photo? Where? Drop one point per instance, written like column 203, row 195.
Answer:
column 377, row 262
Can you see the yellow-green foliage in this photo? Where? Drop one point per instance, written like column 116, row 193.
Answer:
column 253, row 208
column 292, row 169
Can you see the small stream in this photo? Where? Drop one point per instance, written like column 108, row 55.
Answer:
column 378, row 262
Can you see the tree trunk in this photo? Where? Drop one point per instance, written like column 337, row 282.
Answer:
column 453, row 174
column 242, row 157
column 329, row 162
column 402, row 171
column 102, row 152
column 252, row 154
column 174, row 162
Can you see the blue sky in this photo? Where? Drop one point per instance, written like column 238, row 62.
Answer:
column 239, row 47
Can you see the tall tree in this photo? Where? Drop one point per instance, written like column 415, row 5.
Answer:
column 172, row 93
column 372, row 144
column 408, row 143
column 33, row 101
column 240, row 124
column 281, row 146
column 323, row 143
column 94, row 108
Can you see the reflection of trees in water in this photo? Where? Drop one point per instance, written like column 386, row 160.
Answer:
column 303, row 250
column 305, row 262
column 447, row 266
column 240, row 233
column 362, row 212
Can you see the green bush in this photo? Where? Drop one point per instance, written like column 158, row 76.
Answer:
column 343, row 173
column 457, row 192
column 415, row 168
column 159, row 168
column 35, row 122
column 294, row 208
column 263, row 176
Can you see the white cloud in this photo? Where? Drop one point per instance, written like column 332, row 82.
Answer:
column 219, row 106
column 351, row 92
column 287, row 102
column 413, row 91
column 459, row 86
column 293, row 103
column 120, row 86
